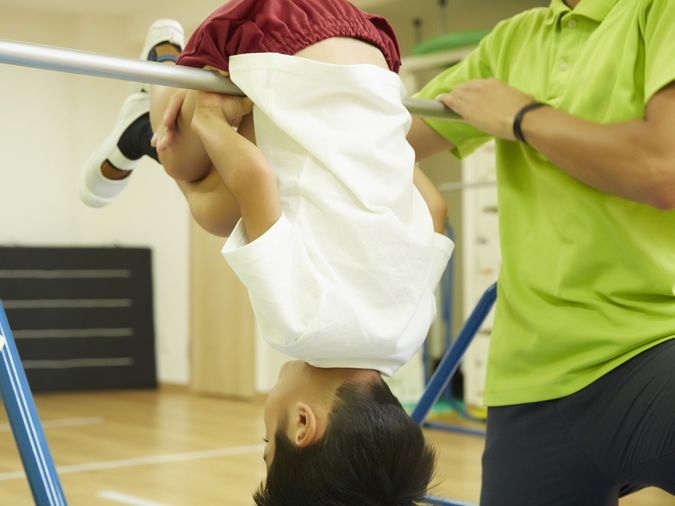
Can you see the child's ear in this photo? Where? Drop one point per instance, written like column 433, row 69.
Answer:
column 305, row 426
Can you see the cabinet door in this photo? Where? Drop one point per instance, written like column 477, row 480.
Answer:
column 221, row 323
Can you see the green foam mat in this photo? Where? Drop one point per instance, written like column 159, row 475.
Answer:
column 450, row 41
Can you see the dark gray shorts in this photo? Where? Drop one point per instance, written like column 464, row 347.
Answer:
column 612, row 438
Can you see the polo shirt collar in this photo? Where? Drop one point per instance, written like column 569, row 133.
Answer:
column 596, row 10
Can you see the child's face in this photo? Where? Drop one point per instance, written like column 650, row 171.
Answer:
column 290, row 386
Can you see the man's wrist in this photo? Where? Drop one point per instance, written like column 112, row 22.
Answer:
column 519, row 118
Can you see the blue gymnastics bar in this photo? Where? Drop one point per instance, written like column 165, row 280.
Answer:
column 25, row 423
column 441, row 378
column 449, row 363
column 111, row 67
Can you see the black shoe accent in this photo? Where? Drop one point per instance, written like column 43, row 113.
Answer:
column 135, row 141
column 152, row 153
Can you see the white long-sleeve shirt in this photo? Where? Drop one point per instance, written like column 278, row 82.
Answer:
column 346, row 277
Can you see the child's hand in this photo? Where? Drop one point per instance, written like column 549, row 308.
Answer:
column 229, row 108
column 166, row 132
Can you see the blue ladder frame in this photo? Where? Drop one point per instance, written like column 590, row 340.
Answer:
column 446, row 368
column 25, row 422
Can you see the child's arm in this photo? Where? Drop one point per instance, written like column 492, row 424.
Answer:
column 240, row 164
column 433, row 198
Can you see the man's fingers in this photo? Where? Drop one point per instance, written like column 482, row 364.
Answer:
column 449, row 100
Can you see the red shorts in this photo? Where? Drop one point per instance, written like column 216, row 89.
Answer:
column 283, row 26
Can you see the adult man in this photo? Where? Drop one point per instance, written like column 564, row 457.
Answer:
column 580, row 380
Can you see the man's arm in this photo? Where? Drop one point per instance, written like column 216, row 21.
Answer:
column 634, row 160
column 425, row 140
column 240, row 164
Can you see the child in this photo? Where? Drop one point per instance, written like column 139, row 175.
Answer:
column 334, row 243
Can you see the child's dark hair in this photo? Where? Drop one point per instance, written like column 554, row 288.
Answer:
column 372, row 454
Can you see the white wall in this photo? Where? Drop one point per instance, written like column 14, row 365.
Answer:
column 49, row 123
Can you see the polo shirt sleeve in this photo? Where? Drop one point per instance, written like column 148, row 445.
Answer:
column 283, row 286
column 464, row 137
column 659, row 46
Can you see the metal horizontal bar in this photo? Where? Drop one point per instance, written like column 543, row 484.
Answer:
column 430, row 109
column 126, row 69
column 111, row 67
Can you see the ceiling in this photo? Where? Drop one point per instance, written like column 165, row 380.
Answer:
column 127, row 7
column 190, row 12
column 458, row 15
column 79, row 6
column 122, row 6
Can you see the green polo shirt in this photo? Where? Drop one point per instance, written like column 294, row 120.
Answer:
column 587, row 279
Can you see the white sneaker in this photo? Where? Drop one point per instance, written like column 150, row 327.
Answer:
column 95, row 189
column 163, row 30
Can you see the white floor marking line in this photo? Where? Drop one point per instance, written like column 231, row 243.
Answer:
column 113, row 496
column 65, row 422
column 144, row 461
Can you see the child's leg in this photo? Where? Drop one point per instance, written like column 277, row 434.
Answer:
column 108, row 169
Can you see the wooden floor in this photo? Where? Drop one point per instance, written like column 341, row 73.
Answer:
column 171, row 448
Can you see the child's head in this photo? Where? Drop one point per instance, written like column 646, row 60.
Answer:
column 351, row 443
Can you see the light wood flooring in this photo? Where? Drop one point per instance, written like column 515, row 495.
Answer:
column 173, row 448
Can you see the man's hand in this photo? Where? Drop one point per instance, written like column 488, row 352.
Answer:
column 487, row 104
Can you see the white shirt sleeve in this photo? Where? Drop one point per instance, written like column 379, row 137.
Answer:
column 287, row 293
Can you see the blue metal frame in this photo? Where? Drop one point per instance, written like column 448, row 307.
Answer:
column 23, row 418
column 441, row 378
column 456, row 405
column 448, row 365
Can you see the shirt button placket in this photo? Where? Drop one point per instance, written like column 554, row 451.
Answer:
column 564, row 65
